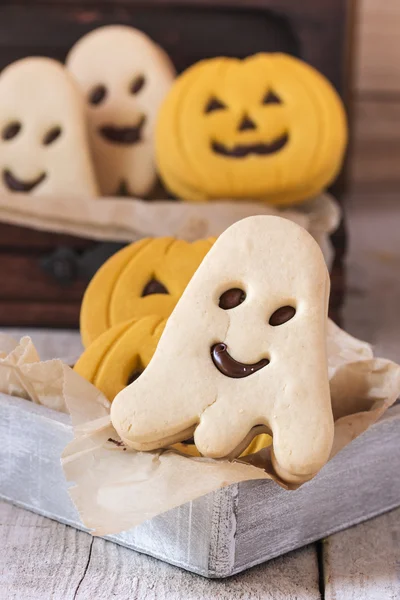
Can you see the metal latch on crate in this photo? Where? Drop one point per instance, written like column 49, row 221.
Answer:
column 66, row 265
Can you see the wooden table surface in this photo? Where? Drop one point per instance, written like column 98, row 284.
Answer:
column 42, row 559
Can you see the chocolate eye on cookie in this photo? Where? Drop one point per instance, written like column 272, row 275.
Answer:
column 282, row 315
column 232, row 298
column 11, row 130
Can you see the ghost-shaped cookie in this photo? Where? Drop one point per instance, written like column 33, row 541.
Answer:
column 244, row 349
column 124, row 77
column 43, row 142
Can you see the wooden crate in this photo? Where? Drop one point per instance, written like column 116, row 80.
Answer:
column 43, row 279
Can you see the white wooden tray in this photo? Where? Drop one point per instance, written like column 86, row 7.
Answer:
column 224, row 532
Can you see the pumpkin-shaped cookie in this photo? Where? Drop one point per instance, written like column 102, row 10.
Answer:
column 121, row 354
column 269, row 127
column 145, row 278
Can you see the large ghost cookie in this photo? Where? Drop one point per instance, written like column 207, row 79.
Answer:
column 124, row 77
column 145, row 278
column 268, row 128
column 43, row 145
column 244, row 347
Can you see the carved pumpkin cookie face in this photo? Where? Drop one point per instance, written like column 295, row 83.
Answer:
column 145, row 278
column 124, row 77
column 43, row 146
column 269, row 127
column 244, row 347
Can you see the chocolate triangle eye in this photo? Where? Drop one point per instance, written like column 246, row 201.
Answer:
column 214, row 104
column 154, row 287
column 282, row 315
column 134, row 375
column 271, row 98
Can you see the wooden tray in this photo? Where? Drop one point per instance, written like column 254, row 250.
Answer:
column 227, row 531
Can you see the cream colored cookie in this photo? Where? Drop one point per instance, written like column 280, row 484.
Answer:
column 245, row 346
column 43, row 145
column 124, row 77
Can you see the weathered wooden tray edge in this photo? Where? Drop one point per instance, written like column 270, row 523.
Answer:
column 220, row 534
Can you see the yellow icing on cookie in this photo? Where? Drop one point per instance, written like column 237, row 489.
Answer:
column 145, row 278
column 258, row 443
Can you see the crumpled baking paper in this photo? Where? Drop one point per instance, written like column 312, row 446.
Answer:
column 128, row 219
column 116, row 488
column 23, row 375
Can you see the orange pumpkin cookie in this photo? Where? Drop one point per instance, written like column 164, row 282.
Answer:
column 269, row 127
column 121, row 354
column 145, row 278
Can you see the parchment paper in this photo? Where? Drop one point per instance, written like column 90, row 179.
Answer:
column 116, row 489
column 129, row 219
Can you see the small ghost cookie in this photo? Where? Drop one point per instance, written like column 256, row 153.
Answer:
column 145, row 278
column 245, row 347
column 43, row 145
column 124, row 77
column 269, row 128
column 121, row 354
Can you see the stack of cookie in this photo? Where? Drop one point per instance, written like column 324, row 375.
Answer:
column 87, row 128
column 269, row 128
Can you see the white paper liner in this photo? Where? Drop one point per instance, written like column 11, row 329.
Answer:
column 116, row 489
column 127, row 220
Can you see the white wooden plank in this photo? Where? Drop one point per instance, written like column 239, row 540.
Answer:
column 44, row 559
column 40, row 558
column 363, row 562
column 115, row 572
column 378, row 47
column 375, row 152
column 371, row 310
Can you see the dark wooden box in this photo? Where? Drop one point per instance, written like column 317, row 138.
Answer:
column 44, row 275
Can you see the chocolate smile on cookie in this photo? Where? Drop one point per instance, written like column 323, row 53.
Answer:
column 230, row 367
column 123, row 135
column 243, row 150
column 18, row 185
